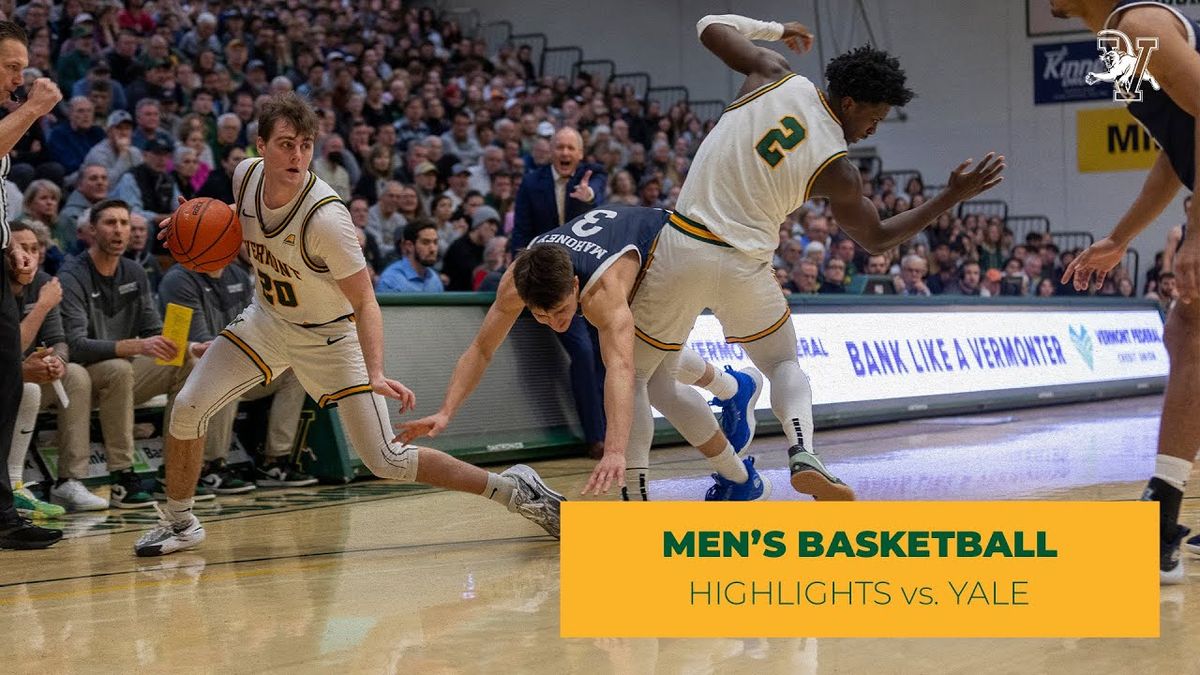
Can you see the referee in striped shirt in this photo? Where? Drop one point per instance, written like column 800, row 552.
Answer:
column 16, row 532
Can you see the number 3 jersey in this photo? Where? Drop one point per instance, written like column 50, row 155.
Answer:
column 758, row 164
column 598, row 238
column 300, row 250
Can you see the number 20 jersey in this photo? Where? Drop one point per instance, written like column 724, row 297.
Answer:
column 299, row 251
column 759, row 162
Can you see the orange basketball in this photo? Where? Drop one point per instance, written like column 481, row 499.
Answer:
column 205, row 235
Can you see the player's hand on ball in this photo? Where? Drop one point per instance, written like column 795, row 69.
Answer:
column 394, row 390
column 429, row 426
column 964, row 184
column 1097, row 260
column 164, row 225
column 610, row 471
column 797, row 37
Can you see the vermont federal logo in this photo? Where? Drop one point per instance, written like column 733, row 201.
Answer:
column 1083, row 344
column 1126, row 63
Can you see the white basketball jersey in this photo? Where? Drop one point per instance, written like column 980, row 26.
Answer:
column 759, row 162
column 298, row 251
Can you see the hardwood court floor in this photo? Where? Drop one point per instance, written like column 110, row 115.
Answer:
column 381, row 578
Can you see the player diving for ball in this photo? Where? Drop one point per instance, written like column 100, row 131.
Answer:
column 593, row 264
column 781, row 143
column 314, row 311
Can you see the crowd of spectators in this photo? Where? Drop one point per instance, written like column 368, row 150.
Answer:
column 974, row 254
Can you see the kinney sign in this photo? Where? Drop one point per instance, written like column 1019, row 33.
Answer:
column 1060, row 70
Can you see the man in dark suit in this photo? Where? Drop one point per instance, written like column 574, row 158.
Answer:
column 550, row 196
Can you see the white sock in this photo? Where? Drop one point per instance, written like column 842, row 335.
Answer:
column 637, row 485
column 728, row 465
column 1173, row 470
column 723, row 385
column 499, row 489
column 179, row 510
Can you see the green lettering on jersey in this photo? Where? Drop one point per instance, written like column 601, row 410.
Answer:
column 779, row 140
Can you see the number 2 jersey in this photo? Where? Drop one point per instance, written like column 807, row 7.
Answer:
column 599, row 238
column 758, row 164
column 298, row 251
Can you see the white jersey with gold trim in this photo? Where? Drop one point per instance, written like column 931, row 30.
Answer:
column 299, row 251
column 758, row 164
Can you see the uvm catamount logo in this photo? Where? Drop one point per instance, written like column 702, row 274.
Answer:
column 1127, row 65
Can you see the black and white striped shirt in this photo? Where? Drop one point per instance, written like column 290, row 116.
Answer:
column 4, row 233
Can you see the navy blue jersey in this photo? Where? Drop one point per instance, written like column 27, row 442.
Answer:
column 599, row 237
column 1170, row 125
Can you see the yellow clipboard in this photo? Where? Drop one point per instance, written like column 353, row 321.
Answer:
column 176, row 326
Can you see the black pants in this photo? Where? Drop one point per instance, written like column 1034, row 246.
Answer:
column 10, row 384
column 582, row 343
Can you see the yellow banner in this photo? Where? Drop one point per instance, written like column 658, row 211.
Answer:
column 1110, row 139
column 177, row 324
column 861, row 569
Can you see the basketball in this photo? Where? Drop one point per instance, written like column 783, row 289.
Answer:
column 205, row 235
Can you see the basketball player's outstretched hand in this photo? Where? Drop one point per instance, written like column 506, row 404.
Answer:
column 797, row 37
column 1097, row 260
column 429, row 426
column 393, row 389
column 610, row 470
column 964, row 184
column 164, row 225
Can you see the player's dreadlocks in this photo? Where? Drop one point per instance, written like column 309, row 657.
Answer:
column 868, row 75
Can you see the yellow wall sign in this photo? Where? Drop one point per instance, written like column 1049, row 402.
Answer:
column 861, row 569
column 1110, row 139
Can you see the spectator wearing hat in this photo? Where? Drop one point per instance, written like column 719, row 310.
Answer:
column 413, row 272
column 460, row 140
column 426, row 180
column 466, row 253
column 116, row 153
column 75, row 61
column 148, row 188
column 256, row 78
column 70, row 141
column 155, row 82
column 457, row 184
column 202, row 37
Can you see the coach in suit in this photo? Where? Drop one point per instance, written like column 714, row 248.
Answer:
column 550, row 196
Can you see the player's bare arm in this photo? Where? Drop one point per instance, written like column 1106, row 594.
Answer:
column 358, row 290
column 606, row 306
column 474, row 362
column 858, row 217
column 729, row 37
column 1100, row 258
column 1176, row 67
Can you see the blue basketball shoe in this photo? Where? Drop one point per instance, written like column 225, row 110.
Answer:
column 755, row 488
column 737, row 412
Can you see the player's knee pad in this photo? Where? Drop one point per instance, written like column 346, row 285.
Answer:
column 687, row 366
column 189, row 416
column 396, row 461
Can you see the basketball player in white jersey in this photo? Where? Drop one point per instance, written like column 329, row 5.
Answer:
column 315, row 312
column 780, row 143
